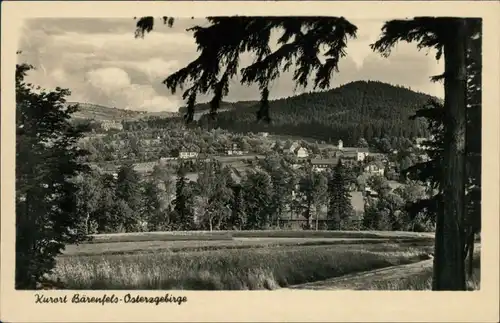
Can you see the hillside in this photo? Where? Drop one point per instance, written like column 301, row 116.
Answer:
column 97, row 112
column 205, row 107
column 100, row 113
column 368, row 109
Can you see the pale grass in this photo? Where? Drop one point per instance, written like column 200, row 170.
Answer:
column 423, row 279
column 245, row 269
column 228, row 235
column 237, row 243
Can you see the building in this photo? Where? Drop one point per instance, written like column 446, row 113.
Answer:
column 374, row 169
column 358, row 154
column 301, row 152
column 186, row 154
column 234, row 150
column 319, row 219
column 420, row 143
column 321, row 165
column 111, row 124
column 263, row 134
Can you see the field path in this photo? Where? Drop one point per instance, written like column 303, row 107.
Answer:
column 363, row 280
column 367, row 279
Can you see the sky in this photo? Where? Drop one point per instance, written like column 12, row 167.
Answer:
column 101, row 62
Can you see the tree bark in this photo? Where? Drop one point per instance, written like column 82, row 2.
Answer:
column 449, row 269
column 317, row 219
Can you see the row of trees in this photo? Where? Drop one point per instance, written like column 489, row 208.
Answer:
column 269, row 193
column 151, row 144
column 47, row 158
column 167, row 200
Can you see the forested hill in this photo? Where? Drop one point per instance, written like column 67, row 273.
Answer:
column 203, row 108
column 88, row 111
column 361, row 109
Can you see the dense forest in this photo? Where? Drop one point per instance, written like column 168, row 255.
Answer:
column 361, row 109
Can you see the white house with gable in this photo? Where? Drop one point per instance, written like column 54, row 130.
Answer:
column 301, row 152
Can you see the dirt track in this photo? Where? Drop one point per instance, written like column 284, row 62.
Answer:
column 364, row 280
column 368, row 279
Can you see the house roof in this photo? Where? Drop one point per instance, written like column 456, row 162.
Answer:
column 329, row 161
column 299, row 148
column 355, row 150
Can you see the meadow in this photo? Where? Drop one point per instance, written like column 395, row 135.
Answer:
column 247, row 260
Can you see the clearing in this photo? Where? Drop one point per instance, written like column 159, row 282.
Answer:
column 234, row 260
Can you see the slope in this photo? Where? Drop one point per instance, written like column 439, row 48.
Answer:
column 88, row 111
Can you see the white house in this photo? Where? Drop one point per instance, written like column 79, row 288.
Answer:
column 374, row 169
column 358, row 154
column 321, row 165
column 185, row 154
column 301, row 152
column 111, row 124
column 361, row 154
column 234, row 150
column 355, row 153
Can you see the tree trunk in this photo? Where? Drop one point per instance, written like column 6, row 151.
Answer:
column 87, row 220
column 449, row 271
column 317, row 213
column 471, row 254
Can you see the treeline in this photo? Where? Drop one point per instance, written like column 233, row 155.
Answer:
column 152, row 143
column 217, row 200
column 266, row 196
column 361, row 109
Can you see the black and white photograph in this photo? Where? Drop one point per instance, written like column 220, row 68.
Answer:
column 227, row 154
column 248, row 153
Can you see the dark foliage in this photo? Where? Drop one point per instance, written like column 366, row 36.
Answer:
column 300, row 44
column 339, row 208
column 47, row 161
column 360, row 109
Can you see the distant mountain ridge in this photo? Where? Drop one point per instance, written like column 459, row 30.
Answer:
column 360, row 109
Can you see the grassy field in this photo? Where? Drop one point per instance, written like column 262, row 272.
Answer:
column 129, row 247
column 244, row 269
column 229, row 235
column 232, row 260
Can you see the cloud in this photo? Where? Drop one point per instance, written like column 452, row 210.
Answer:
column 102, row 62
column 109, row 79
column 153, row 68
